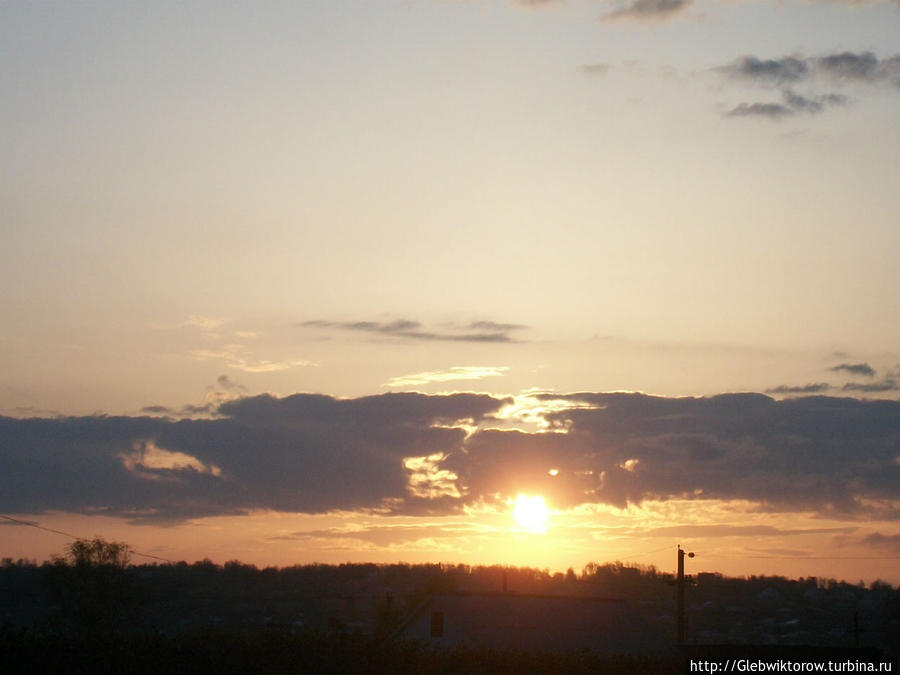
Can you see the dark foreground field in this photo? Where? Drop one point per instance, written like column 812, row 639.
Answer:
column 222, row 653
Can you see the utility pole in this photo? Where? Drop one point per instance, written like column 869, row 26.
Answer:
column 679, row 593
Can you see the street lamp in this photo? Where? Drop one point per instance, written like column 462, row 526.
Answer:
column 679, row 593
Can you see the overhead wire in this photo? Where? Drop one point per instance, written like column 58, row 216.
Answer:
column 75, row 536
column 630, row 557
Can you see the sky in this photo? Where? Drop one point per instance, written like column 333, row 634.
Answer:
column 338, row 281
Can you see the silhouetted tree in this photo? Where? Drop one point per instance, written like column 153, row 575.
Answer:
column 90, row 588
column 98, row 552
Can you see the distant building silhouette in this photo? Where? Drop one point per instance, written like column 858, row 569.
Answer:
column 528, row 622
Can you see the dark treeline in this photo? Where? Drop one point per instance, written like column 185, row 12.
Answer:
column 322, row 615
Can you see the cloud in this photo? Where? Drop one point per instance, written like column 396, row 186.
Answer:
column 303, row 453
column 647, row 10
column 789, row 71
column 148, row 460
column 859, row 67
column 854, row 368
column 448, row 375
column 157, row 410
column 812, row 105
column 417, row 454
column 793, row 103
column 890, row 542
column 827, row 455
column 387, row 535
column 204, row 322
column 228, row 384
column 773, row 111
column 740, row 531
column 813, row 388
column 476, row 331
column 494, row 326
column 237, row 356
column 595, row 69
column 840, row 67
column 225, row 389
column 887, row 384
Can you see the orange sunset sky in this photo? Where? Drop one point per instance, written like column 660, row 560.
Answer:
column 338, row 281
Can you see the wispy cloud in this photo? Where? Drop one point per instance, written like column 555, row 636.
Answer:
column 647, row 10
column 889, row 542
column 854, row 368
column 887, row 384
column 389, row 535
column 206, row 323
column 238, row 356
column 794, row 103
column 224, row 390
column 840, row 66
column 813, row 388
column 778, row 71
column 860, row 67
column 157, row 410
column 475, row 331
column 595, row 69
column 228, row 384
column 448, row 375
column 727, row 530
column 774, row 111
column 812, row 105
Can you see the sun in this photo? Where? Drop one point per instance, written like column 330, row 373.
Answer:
column 531, row 513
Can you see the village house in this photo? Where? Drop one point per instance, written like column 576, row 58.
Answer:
column 528, row 622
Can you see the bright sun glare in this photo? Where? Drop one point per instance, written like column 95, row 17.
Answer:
column 531, row 513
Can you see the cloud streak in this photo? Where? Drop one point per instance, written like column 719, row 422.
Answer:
column 773, row 111
column 812, row 388
column 887, row 384
column 786, row 70
column 647, row 10
column 854, row 369
column 889, row 542
column 794, row 103
column 404, row 329
column 840, row 67
column 455, row 373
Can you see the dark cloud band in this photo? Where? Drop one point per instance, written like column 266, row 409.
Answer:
column 315, row 453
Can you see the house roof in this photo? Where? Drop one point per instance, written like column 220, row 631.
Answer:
column 528, row 621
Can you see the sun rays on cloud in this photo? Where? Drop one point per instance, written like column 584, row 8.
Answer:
column 455, row 373
column 416, row 453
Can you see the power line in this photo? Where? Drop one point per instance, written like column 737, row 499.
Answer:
column 40, row 527
column 74, row 536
